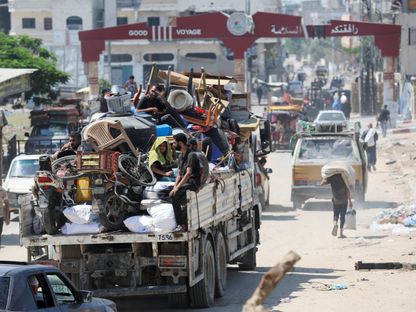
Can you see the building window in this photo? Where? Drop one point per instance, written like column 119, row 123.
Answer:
column 47, row 23
column 119, row 58
column 128, row 4
column 28, row 23
column 412, row 36
column 153, row 21
column 122, row 20
column 202, row 56
column 158, row 57
column 74, row 23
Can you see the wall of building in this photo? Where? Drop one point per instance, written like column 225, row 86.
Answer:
column 407, row 49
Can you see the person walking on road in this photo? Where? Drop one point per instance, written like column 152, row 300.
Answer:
column 383, row 118
column 370, row 138
column 4, row 210
column 341, row 196
column 259, row 91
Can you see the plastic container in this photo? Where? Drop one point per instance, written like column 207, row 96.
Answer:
column 163, row 130
column 84, row 192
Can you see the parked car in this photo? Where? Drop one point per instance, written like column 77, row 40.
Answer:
column 313, row 151
column 330, row 120
column 20, row 178
column 30, row 287
column 47, row 138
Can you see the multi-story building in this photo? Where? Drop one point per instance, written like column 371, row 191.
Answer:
column 57, row 23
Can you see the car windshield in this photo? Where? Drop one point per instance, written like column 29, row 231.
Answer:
column 24, row 168
column 331, row 116
column 328, row 149
column 4, row 291
column 50, row 131
column 295, row 87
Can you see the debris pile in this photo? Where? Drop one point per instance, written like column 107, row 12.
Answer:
column 396, row 220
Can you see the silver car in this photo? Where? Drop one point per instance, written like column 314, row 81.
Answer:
column 331, row 120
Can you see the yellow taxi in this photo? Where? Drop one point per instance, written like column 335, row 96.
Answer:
column 312, row 151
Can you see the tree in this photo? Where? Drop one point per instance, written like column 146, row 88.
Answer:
column 27, row 52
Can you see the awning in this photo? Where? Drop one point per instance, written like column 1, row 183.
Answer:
column 83, row 90
column 14, row 80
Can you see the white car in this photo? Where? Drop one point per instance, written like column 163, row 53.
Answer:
column 20, row 178
column 328, row 120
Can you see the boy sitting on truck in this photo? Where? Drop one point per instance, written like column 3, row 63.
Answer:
column 189, row 177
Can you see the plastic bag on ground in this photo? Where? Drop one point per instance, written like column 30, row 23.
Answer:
column 73, row 228
column 340, row 167
column 139, row 224
column 351, row 220
column 163, row 217
column 78, row 214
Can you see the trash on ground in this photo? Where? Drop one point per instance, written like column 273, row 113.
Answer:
column 390, row 162
column 401, row 220
column 285, row 300
column 337, row 287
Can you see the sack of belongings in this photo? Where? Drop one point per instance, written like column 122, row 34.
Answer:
column 344, row 169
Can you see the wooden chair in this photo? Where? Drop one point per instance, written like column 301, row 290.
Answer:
column 98, row 134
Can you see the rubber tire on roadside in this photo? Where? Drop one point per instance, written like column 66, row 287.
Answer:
column 200, row 295
column 220, row 266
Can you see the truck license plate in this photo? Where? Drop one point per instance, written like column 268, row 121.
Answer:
column 165, row 237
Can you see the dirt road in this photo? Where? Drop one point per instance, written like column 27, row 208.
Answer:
column 325, row 259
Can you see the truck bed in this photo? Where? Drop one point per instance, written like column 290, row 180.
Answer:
column 215, row 202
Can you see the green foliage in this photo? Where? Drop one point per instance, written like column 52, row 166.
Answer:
column 104, row 84
column 27, row 52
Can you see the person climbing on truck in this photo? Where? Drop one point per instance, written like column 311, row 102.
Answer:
column 188, row 178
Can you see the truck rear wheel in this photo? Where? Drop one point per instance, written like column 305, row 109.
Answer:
column 202, row 294
column 221, row 266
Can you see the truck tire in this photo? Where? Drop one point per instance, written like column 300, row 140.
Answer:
column 248, row 261
column 49, row 219
column 220, row 266
column 179, row 301
column 202, row 294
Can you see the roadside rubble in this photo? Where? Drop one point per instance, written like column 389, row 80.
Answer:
column 401, row 220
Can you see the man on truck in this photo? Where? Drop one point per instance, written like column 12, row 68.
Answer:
column 188, row 178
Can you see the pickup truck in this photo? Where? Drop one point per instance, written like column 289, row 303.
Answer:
column 223, row 221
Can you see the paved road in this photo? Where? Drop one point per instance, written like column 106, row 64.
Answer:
column 325, row 259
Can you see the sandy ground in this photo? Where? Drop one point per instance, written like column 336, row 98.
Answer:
column 325, row 259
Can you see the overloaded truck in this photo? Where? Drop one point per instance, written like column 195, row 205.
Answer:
column 223, row 221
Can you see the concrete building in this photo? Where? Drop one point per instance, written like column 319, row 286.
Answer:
column 57, row 23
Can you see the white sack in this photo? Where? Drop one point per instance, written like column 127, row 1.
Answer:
column 163, row 217
column 151, row 192
column 79, row 214
column 139, row 224
column 72, row 228
column 340, row 167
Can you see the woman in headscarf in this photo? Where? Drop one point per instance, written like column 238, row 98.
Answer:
column 161, row 160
